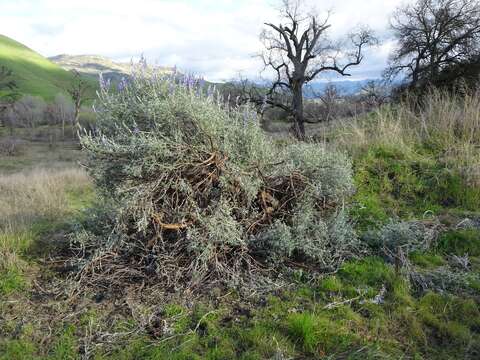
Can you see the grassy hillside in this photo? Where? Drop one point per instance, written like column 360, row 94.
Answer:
column 34, row 74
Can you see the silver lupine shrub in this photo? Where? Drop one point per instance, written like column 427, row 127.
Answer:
column 200, row 193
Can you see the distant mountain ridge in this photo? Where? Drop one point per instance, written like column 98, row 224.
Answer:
column 90, row 64
column 93, row 65
column 315, row 89
column 345, row 87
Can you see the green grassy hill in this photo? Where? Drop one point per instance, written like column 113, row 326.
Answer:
column 33, row 73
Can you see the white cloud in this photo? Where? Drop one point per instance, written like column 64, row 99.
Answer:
column 214, row 38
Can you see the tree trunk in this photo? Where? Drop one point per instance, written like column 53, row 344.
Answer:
column 297, row 107
column 76, row 115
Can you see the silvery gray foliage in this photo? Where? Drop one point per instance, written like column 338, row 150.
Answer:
column 326, row 241
column 445, row 279
column 194, row 178
column 331, row 172
column 400, row 238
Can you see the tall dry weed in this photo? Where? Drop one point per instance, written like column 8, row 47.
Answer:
column 40, row 193
column 446, row 125
column 28, row 197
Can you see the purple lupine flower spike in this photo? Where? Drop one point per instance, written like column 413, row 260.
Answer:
column 143, row 61
column 122, row 84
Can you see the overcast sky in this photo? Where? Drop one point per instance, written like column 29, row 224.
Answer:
column 213, row 38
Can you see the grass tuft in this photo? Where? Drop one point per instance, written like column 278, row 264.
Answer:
column 460, row 242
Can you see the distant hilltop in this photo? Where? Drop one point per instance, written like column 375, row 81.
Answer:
column 93, row 65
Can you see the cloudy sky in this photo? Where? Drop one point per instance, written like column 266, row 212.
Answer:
column 214, row 38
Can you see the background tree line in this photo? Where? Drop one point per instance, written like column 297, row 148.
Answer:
column 26, row 111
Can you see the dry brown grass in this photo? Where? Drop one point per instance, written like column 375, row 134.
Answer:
column 445, row 120
column 28, row 197
column 40, row 193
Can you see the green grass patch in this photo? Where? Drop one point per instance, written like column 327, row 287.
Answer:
column 371, row 271
column 80, row 198
column 11, row 280
column 291, row 324
column 399, row 183
column 18, row 350
column 460, row 242
column 13, row 247
column 318, row 335
column 426, row 260
column 66, row 346
column 450, row 320
column 331, row 284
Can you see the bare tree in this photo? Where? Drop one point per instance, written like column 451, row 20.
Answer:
column 432, row 36
column 298, row 50
column 61, row 111
column 330, row 98
column 374, row 94
column 79, row 91
column 29, row 111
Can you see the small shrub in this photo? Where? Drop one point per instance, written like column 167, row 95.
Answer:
column 398, row 239
column 445, row 280
column 203, row 189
